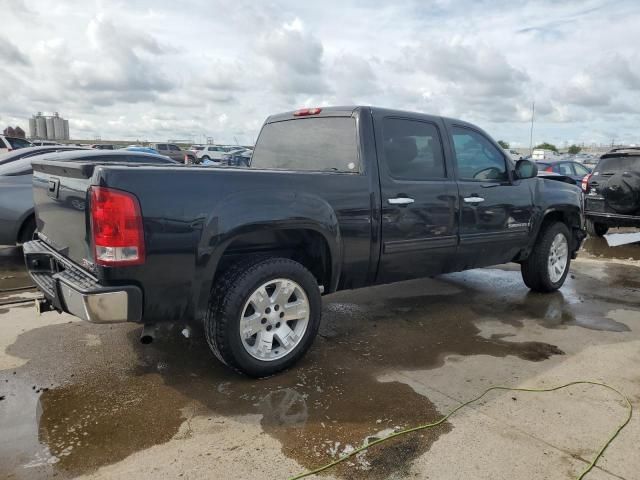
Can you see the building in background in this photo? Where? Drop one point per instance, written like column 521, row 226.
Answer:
column 14, row 132
column 48, row 127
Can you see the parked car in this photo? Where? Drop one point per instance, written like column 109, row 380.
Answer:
column 7, row 144
column 240, row 158
column 140, row 148
column 575, row 170
column 540, row 154
column 612, row 192
column 43, row 143
column 327, row 205
column 515, row 155
column 103, row 146
column 174, row 152
column 17, row 221
column 216, row 153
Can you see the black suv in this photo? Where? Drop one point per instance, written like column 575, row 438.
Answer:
column 612, row 191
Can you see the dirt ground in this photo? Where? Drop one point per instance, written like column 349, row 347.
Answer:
column 79, row 400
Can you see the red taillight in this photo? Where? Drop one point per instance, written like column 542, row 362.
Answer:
column 304, row 112
column 116, row 226
column 548, row 169
column 585, row 183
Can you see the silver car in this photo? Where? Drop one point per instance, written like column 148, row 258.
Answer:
column 17, row 221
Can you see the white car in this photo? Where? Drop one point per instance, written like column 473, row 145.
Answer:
column 8, row 144
column 216, row 153
column 540, row 154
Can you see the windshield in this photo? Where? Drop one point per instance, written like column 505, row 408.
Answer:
column 618, row 164
column 21, row 166
column 320, row 144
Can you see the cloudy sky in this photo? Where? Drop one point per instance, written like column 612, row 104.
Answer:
column 158, row 70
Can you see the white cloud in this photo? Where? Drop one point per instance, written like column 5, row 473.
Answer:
column 158, row 70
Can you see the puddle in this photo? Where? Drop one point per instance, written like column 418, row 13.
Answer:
column 599, row 248
column 108, row 396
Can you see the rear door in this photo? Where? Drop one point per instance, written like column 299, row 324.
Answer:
column 419, row 194
column 496, row 209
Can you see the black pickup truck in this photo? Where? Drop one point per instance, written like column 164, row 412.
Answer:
column 336, row 198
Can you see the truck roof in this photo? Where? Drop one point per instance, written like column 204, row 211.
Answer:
column 348, row 110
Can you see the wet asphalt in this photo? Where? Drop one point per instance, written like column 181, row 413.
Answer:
column 85, row 396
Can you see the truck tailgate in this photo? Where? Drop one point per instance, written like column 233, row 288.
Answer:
column 60, row 198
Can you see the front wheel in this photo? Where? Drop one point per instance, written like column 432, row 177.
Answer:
column 596, row 229
column 263, row 315
column 548, row 264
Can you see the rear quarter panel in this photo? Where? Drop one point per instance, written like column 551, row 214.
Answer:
column 191, row 214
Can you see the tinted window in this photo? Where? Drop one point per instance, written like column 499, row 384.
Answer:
column 478, row 159
column 412, row 149
column 21, row 166
column 618, row 164
column 197, row 149
column 580, row 170
column 17, row 142
column 162, row 146
column 174, row 148
column 565, row 169
column 213, row 149
column 320, row 144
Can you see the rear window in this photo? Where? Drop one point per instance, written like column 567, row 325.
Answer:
column 617, row 165
column 17, row 142
column 316, row 144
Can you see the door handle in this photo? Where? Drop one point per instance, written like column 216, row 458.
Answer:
column 400, row 201
column 473, row 199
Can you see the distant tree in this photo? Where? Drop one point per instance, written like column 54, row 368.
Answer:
column 573, row 149
column 503, row 144
column 547, row 146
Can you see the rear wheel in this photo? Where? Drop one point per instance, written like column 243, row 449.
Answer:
column 548, row 264
column 263, row 315
column 596, row 229
column 205, row 158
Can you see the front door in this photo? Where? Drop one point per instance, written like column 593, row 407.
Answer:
column 496, row 208
column 419, row 194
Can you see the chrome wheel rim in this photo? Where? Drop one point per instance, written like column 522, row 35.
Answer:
column 274, row 319
column 558, row 257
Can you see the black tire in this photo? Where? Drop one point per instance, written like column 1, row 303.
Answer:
column 228, row 297
column 27, row 231
column 535, row 271
column 205, row 158
column 596, row 229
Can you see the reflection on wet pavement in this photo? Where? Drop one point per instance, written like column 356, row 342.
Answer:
column 598, row 248
column 90, row 395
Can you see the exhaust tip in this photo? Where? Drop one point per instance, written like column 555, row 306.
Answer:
column 148, row 334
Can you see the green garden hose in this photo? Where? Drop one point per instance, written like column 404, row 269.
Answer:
column 509, row 389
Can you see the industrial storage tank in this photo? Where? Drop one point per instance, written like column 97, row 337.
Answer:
column 58, row 128
column 41, row 127
column 66, row 129
column 51, row 134
column 33, row 133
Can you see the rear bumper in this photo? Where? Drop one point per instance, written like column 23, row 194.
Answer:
column 73, row 290
column 614, row 219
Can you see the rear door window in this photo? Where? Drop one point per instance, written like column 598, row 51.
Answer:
column 565, row 168
column 174, row 148
column 412, row 149
column 162, row 146
column 310, row 144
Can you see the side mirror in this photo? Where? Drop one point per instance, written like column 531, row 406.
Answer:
column 526, row 169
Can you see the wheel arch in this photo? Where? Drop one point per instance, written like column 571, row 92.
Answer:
column 570, row 215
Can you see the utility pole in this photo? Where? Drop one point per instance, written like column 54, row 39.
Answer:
column 533, row 111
